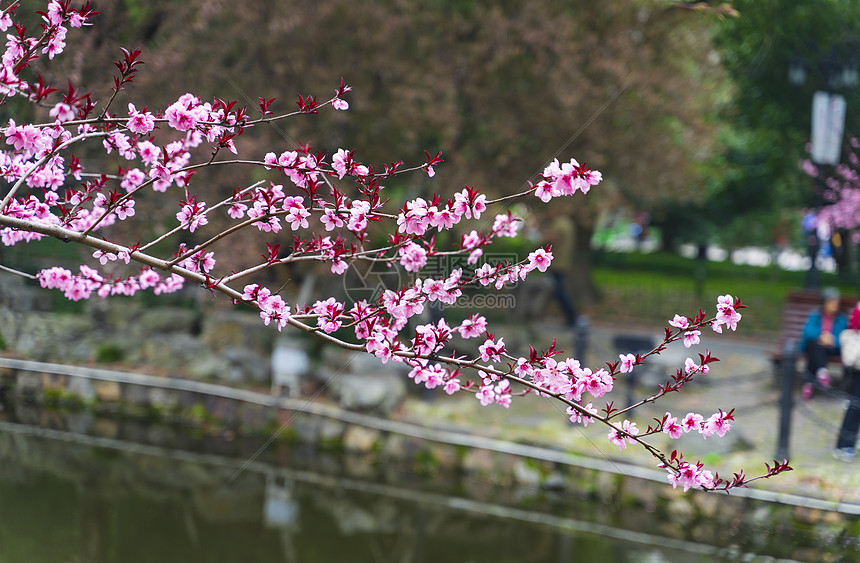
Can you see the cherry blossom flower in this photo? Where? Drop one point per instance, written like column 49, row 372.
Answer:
column 452, row 386
column 680, row 322
column 627, row 362
column 540, row 259
column 621, row 436
column 472, row 326
column 691, row 337
column 692, row 421
column 717, row 423
column 412, row 257
column 672, row 427
column 726, row 313
column 140, row 122
column 491, row 350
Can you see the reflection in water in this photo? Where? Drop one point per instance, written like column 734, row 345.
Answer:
column 69, row 497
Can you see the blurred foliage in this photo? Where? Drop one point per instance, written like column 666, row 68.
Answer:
column 647, row 289
column 753, row 179
column 498, row 87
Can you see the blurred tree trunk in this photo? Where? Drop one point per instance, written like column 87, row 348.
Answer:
column 581, row 286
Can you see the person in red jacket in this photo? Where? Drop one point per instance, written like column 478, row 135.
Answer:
column 847, row 438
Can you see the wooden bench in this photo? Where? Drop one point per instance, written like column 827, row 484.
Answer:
column 798, row 305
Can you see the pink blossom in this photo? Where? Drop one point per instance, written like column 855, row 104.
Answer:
column 540, row 259
column 503, row 393
column 486, row 395
column 55, row 13
column 726, row 313
column 237, row 210
column 330, row 219
column 717, row 423
column 472, row 326
column 25, row 138
column 62, row 112
column 140, row 122
column 296, row 213
column 692, row 422
column 474, row 256
column 690, row 476
column 132, row 179
column 358, row 213
column 491, row 350
column 340, row 104
column 627, row 362
column 412, row 257
column 413, row 219
column 576, row 417
column 56, row 42
column 75, row 20
column 471, row 240
column 452, row 385
column 148, row 278
column 672, row 428
column 329, row 312
column 691, row 338
column 621, row 436
column 191, row 216
column 596, row 383
column 340, row 162
column 274, row 309
column 338, row 266
column 680, row 322
column 181, row 115
column 104, row 257
column 505, row 225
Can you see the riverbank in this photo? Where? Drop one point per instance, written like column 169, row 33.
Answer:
column 529, row 449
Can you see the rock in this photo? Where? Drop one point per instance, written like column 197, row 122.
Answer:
column 443, row 455
column 479, row 460
column 45, row 336
column 400, row 447
column 331, row 432
column 306, row 427
column 168, row 320
column 82, row 387
column 555, row 481
column 28, row 386
column 380, row 392
column 246, row 365
column 236, row 329
column 79, row 422
column 525, row 474
column 360, row 439
column 107, row 391
column 208, row 366
column 164, row 399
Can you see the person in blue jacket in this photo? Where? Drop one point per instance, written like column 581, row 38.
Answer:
column 821, row 339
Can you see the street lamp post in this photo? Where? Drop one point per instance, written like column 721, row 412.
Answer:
column 828, row 123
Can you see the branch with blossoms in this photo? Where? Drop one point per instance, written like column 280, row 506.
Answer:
column 334, row 210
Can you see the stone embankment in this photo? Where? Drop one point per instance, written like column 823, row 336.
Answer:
column 103, row 402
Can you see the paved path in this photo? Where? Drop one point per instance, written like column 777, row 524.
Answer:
column 742, row 380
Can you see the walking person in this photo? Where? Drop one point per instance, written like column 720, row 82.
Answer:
column 850, row 342
column 561, row 233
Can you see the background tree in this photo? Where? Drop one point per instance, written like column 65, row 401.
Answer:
column 496, row 86
column 753, row 177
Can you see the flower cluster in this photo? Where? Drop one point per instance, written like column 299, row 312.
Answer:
column 327, row 205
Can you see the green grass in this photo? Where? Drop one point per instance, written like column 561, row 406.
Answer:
column 649, row 288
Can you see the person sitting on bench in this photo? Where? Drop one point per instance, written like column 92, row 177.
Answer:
column 821, row 340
